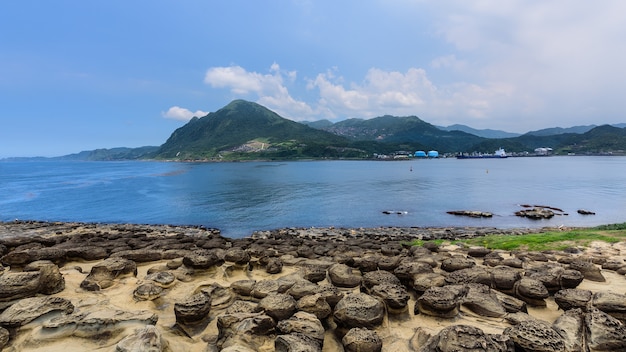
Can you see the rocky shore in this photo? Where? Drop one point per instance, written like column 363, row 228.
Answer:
column 110, row 287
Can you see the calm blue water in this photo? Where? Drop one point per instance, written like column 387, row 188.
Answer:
column 239, row 198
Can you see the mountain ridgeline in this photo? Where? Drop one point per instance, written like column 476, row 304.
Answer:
column 244, row 130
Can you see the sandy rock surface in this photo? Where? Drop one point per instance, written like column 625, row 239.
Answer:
column 77, row 287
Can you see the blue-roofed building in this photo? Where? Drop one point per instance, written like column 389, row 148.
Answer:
column 433, row 154
column 420, row 154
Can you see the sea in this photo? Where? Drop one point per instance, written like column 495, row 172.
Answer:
column 242, row 197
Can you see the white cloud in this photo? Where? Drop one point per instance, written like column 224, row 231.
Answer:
column 562, row 59
column 514, row 65
column 182, row 114
column 270, row 89
column 409, row 93
column 379, row 93
column 240, row 81
column 448, row 61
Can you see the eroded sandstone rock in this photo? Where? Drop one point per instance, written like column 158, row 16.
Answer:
column 535, row 335
column 148, row 339
column 603, row 332
column 359, row 310
column 465, row 338
column 361, row 340
column 102, row 274
column 193, row 309
column 29, row 309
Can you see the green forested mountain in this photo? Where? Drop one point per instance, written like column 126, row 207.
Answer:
column 485, row 133
column 120, row 153
column 244, row 129
column 601, row 139
column 407, row 130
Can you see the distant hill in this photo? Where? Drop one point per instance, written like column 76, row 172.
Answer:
column 559, row 130
column 121, row 153
column 485, row 133
column 410, row 131
column 598, row 140
column 574, row 129
column 601, row 139
column 243, row 129
column 320, row 124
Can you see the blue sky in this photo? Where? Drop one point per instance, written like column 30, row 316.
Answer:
column 80, row 75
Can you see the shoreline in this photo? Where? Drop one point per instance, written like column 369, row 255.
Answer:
column 36, row 227
column 85, row 286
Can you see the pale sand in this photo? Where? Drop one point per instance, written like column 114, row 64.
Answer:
column 395, row 331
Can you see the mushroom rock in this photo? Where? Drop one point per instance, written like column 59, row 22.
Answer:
column 536, row 336
column 611, row 303
column 465, row 338
column 443, row 302
column 148, row 338
column 29, row 309
column 603, row 332
column 531, row 291
column 361, row 340
column 571, row 298
column 588, row 269
column 359, row 310
column 570, row 325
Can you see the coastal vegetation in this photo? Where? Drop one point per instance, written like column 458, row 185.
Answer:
column 543, row 241
column 244, row 130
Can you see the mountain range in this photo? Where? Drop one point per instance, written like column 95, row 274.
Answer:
column 244, row 130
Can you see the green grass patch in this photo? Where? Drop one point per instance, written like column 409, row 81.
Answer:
column 545, row 240
column 611, row 227
column 421, row 242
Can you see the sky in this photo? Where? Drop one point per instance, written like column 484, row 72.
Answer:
column 80, row 75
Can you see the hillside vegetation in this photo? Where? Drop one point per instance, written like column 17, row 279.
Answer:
column 244, row 130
